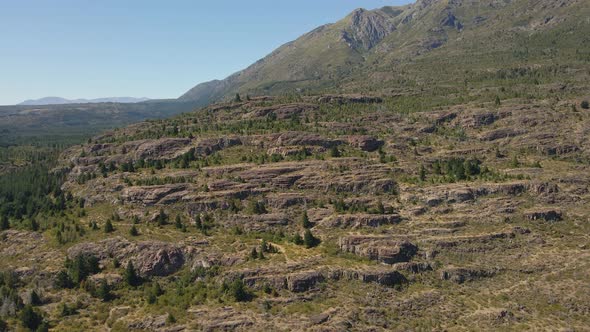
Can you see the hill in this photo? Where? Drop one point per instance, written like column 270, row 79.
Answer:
column 447, row 191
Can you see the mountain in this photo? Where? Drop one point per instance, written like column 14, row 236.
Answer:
column 395, row 47
column 63, row 101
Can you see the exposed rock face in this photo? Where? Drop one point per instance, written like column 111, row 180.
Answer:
column 284, row 111
column 154, row 194
column 367, row 29
column 164, row 148
column 379, row 248
column 384, row 277
column 547, row 214
column 344, row 99
column 501, row 133
column 362, row 220
column 149, row 258
column 460, row 275
column 365, row 142
column 158, row 259
column 303, row 281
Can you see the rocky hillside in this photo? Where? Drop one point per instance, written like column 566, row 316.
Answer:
column 448, row 191
column 428, row 43
column 330, row 212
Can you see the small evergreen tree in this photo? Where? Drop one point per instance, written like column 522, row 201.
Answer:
column 31, row 318
column 422, row 173
column 254, row 253
column 497, row 102
column 162, row 218
column 305, row 221
column 198, row 222
column 62, row 280
column 133, row 231
column 585, row 105
column 334, row 152
column 103, row 291
column 237, row 98
column 108, row 227
column 297, row 239
column 34, row 298
column 238, row 291
column 309, row 240
column 178, row 222
column 4, row 223
column 130, row 276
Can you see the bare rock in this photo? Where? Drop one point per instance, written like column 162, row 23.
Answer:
column 460, row 275
column 365, row 142
column 361, row 220
column 547, row 214
column 379, row 248
column 303, row 281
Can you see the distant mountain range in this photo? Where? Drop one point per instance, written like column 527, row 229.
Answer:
column 59, row 101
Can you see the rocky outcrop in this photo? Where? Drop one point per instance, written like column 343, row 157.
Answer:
column 460, row 275
column 379, row 248
column 165, row 148
column 365, row 142
column 303, row 281
column 345, row 99
column 150, row 258
column 547, row 214
column 501, row 133
column 367, row 29
column 283, row 111
column 154, row 194
column 361, row 220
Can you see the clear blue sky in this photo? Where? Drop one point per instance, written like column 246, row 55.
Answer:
column 145, row 48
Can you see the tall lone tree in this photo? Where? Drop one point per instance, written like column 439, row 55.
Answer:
column 131, row 277
column 305, row 221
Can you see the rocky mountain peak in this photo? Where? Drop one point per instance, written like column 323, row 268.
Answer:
column 367, row 28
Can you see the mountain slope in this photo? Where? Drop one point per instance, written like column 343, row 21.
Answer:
column 392, row 47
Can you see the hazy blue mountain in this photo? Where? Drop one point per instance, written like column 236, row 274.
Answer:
column 60, row 101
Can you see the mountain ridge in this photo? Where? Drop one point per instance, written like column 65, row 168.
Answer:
column 63, row 101
column 357, row 52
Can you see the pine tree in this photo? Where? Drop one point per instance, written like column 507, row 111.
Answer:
column 62, row 280
column 108, row 227
column 309, row 240
column 198, row 222
column 34, row 298
column 130, row 276
column 104, row 291
column 30, row 318
column 334, row 152
column 162, row 218
column 237, row 98
column 305, row 221
column 133, row 231
column 297, row 239
column 4, row 223
column 178, row 222
column 422, row 173
column 254, row 253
